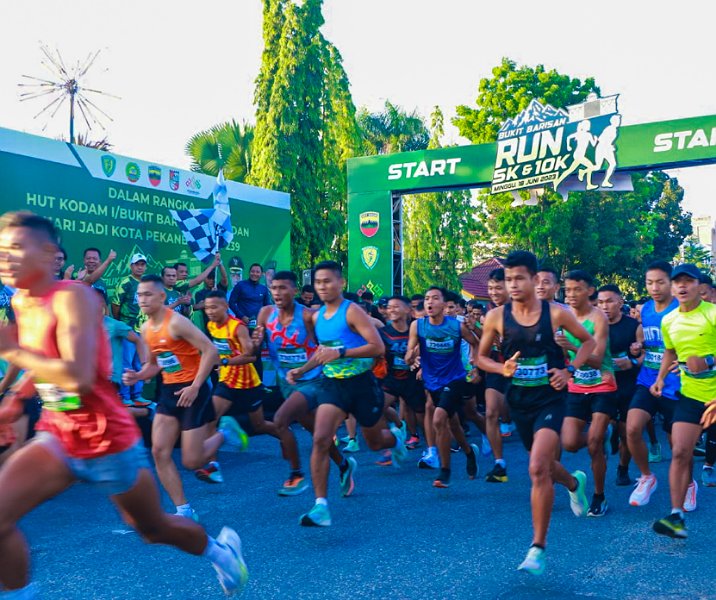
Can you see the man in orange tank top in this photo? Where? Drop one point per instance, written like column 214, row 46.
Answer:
column 86, row 434
column 185, row 358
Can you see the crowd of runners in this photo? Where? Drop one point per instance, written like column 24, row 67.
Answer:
column 596, row 373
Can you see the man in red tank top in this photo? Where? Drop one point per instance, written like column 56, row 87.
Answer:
column 86, row 433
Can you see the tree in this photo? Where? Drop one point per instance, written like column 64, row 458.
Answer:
column 225, row 146
column 696, row 253
column 392, row 130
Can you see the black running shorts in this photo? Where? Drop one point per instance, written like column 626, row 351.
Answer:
column 689, row 410
column 644, row 400
column 450, row 397
column 246, row 401
column 360, row 396
column 409, row 389
column 582, row 406
column 199, row 413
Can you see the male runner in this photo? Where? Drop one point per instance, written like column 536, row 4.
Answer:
column 348, row 344
column 689, row 335
column 536, row 389
column 623, row 332
column 438, row 339
column 547, row 284
column 644, row 404
column 289, row 333
column 86, row 433
column 185, row 358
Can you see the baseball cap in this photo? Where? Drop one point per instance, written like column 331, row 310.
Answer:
column 383, row 302
column 137, row 258
column 706, row 279
column 688, row 270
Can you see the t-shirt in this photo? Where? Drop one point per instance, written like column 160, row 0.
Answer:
column 125, row 296
column 117, row 333
column 693, row 333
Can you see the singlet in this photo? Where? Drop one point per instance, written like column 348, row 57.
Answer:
column 586, row 379
column 178, row 359
column 538, row 351
column 622, row 334
column 440, row 352
column 336, row 333
column 290, row 346
column 240, row 377
column 87, row 425
column 396, row 345
column 654, row 349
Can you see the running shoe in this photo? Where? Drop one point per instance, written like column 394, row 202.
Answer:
column 534, row 562
column 318, row 516
column 399, row 452
column 347, row 483
column 578, row 498
column 486, row 448
column 293, row 486
column 128, row 403
column 498, row 474
column 412, row 442
column 210, row 474
column 385, row 460
column 188, row 514
column 442, row 480
column 345, row 439
column 140, row 402
column 506, row 429
column 472, row 467
column 455, row 447
column 690, row 498
column 645, row 486
column 234, row 435
column 655, row 453
column 672, row 525
column 352, row 446
column 429, row 460
column 708, row 476
column 233, row 576
column 598, row 507
column 623, row 478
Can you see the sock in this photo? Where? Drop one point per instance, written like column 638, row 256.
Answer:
column 599, row 497
column 322, row 501
column 501, row 462
column 296, row 473
column 677, row 511
column 540, row 546
column 184, row 509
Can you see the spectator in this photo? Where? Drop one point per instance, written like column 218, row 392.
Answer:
column 249, row 296
column 307, row 295
column 93, row 269
column 199, row 317
column 60, row 260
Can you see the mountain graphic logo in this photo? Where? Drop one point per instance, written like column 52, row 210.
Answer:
column 536, row 112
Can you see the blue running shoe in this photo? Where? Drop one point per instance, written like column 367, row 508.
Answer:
column 534, row 562
column 347, row 483
column 400, row 452
column 318, row 516
column 234, row 575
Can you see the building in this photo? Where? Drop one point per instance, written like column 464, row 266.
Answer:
column 474, row 283
column 705, row 233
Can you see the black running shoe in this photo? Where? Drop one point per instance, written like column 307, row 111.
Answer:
column 472, row 467
column 672, row 525
column 497, row 475
column 623, row 478
column 598, row 507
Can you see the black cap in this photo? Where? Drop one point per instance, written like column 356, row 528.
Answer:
column 687, row 269
column 383, row 301
column 706, row 279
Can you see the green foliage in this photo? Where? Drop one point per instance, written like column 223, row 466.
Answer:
column 392, row 130
column 225, row 146
column 696, row 253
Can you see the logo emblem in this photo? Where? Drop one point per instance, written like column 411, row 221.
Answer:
column 193, row 185
column 133, row 172
column 155, row 175
column 109, row 163
column 369, row 255
column 173, row 180
column 369, row 223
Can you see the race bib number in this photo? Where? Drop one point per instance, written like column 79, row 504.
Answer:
column 652, row 358
column 440, row 345
column 252, row 323
column 169, row 362
column 531, row 372
column 222, row 346
column 292, row 358
column 56, row 399
column 587, row 376
column 399, row 364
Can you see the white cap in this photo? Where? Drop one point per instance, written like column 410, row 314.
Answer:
column 137, row 257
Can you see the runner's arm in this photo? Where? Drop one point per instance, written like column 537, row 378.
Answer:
column 259, row 334
column 601, row 337
column 360, row 322
column 561, row 317
column 183, row 328
column 471, row 339
column 411, row 354
column 99, row 271
column 205, row 273
column 490, row 330
column 242, row 336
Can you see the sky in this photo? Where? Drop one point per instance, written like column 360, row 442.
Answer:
column 180, row 66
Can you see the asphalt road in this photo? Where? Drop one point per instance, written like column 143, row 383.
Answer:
column 397, row 537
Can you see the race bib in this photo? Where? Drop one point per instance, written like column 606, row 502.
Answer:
column 252, row 323
column 168, row 362
column 587, row 376
column 399, row 364
column 440, row 345
column 222, row 346
column 531, row 372
column 292, row 358
column 618, row 356
column 708, row 374
column 652, row 358
column 56, row 399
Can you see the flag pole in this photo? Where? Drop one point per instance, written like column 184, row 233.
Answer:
column 216, row 250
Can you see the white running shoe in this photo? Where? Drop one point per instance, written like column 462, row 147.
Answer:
column 690, row 498
column 645, row 486
column 234, row 575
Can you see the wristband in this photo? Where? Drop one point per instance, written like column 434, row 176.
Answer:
column 342, row 352
column 571, row 369
column 634, row 361
column 709, row 361
column 224, row 362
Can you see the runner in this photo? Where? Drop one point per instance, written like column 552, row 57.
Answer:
column 548, row 285
column 623, row 332
column 289, row 332
column 536, row 389
column 185, row 358
column 689, row 335
column 59, row 340
column 592, row 390
column 437, row 339
column 348, row 345
column 644, row 404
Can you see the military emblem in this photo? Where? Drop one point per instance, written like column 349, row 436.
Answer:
column 369, row 223
column 173, row 180
column 369, row 255
column 133, row 172
column 155, row 175
column 109, row 163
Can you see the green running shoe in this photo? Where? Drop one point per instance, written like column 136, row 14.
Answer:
column 234, row 435
column 233, row 574
column 352, row 446
column 672, row 525
column 318, row 516
column 534, row 562
column 347, row 483
column 400, row 452
column 578, row 498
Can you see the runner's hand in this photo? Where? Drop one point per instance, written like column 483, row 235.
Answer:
column 558, row 378
column 656, row 388
column 636, row 348
column 510, row 366
column 419, row 375
column 130, row 377
column 257, row 337
column 622, row 364
column 326, row 354
column 187, row 396
column 674, row 368
column 709, row 416
column 563, row 342
column 293, row 375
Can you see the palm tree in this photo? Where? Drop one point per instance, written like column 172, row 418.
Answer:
column 225, row 146
column 392, row 130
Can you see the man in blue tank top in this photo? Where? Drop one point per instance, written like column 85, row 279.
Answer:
column 536, row 390
column 287, row 329
column 349, row 343
column 437, row 339
column 644, row 404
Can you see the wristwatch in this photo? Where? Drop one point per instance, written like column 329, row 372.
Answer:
column 709, row 361
column 572, row 369
column 224, row 362
column 342, row 351
column 634, row 361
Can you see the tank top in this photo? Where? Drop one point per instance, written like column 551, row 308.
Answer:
column 654, row 349
column 396, row 345
column 239, row 377
column 440, row 352
column 336, row 333
column 535, row 343
column 622, row 335
column 87, row 425
column 290, row 346
column 178, row 359
column 586, row 379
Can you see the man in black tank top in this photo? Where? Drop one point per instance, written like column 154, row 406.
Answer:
column 535, row 393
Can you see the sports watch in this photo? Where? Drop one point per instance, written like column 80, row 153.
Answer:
column 224, row 362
